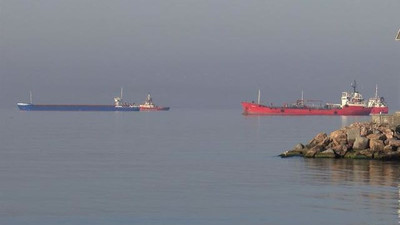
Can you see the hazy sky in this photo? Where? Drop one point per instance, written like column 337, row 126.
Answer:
column 197, row 53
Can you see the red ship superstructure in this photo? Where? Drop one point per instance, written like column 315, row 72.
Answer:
column 148, row 105
column 351, row 104
column 378, row 104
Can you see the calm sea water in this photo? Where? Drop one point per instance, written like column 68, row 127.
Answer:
column 183, row 167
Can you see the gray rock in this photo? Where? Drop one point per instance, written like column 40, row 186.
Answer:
column 360, row 143
column 352, row 134
column 298, row 146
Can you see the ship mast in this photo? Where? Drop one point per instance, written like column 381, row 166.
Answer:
column 30, row 96
column 259, row 96
column 354, row 85
column 122, row 90
column 376, row 92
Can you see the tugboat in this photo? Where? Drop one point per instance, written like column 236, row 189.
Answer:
column 148, row 105
column 352, row 104
column 119, row 105
column 378, row 104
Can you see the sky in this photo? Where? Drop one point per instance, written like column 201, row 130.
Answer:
column 197, row 53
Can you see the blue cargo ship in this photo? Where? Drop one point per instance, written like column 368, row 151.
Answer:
column 118, row 106
column 51, row 107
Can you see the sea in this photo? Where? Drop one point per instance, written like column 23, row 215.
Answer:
column 183, row 167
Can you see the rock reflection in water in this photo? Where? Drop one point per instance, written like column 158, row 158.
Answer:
column 368, row 184
column 369, row 172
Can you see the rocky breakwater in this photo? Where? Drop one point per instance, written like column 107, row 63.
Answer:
column 360, row 140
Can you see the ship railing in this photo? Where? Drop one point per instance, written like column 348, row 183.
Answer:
column 332, row 106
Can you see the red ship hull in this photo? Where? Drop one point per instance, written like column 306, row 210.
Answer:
column 257, row 109
column 380, row 110
column 157, row 108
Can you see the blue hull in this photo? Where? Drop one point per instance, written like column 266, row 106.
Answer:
column 35, row 107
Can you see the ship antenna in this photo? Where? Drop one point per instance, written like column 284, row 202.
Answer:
column 259, row 96
column 354, row 85
column 30, row 96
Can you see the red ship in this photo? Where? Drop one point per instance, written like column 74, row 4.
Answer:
column 351, row 104
column 148, row 105
column 378, row 104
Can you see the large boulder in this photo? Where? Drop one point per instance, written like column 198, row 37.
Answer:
column 365, row 131
column 314, row 150
column 388, row 133
column 360, row 143
column 319, row 139
column 340, row 150
column 299, row 146
column 394, row 142
column 352, row 134
column 377, row 136
column 338, row 137
column 376, row 144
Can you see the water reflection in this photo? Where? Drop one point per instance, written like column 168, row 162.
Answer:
column 372, row 186
column 371, row 172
